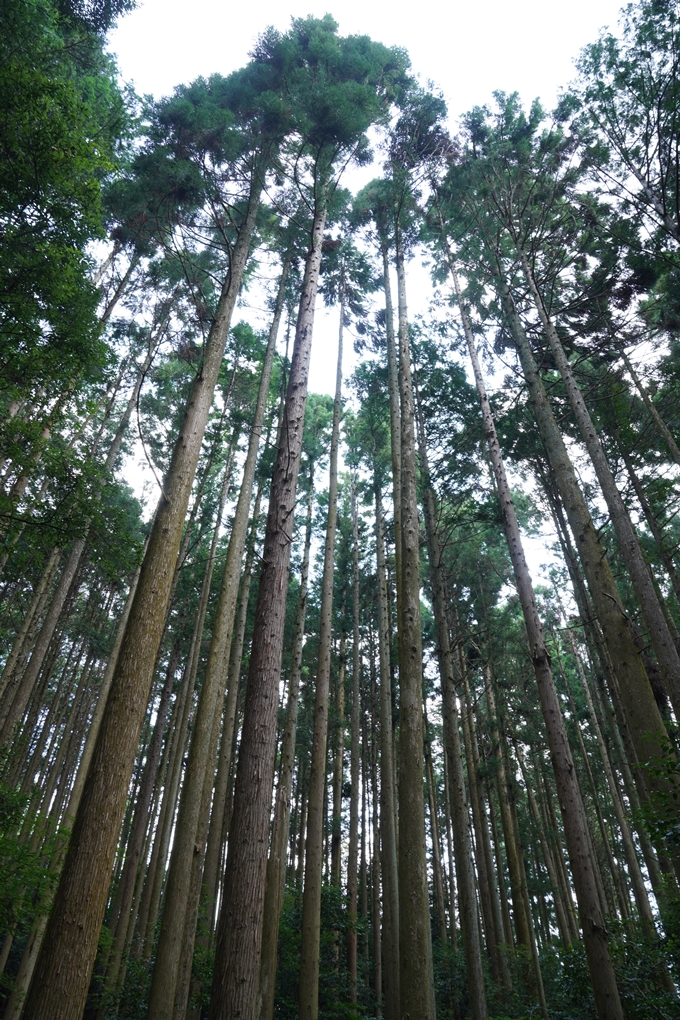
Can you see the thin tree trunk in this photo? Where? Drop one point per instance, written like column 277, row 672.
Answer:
column 276, row 865
column 355, row 752
column 415, row 942
column 388, row 856
column 32, row 614
column 188, row 840
column 651, row 407
column 467, row 899
column 338, row 761
column 17, row 705
column 59, row 988
column 662, row 641
column 642, row 716
column 236, row 975
column 594, row 933
column 491, row 912
column 120, row 289
column 311, row 897
column 120, row 918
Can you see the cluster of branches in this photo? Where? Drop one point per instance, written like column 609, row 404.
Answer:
column 339, row 756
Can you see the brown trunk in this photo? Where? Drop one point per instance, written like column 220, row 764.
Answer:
column 664, row 647
column 642, row 716
column 649, row 403
column 437, row 875
column 415, row 944
column 467, row 899
column 338, row 762
column 355, row 753
column 388, row 856
column 236, row 974
column 311, row 898
column 121, row 916
column 491, row 916
column 189, row 842
column 594, row 933
column 16, row 705
column 276, row 865
column 64, row 966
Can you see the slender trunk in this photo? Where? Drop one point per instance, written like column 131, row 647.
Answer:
column 491, row 914
column 415, row 943
column 594, row 932
column 437, row 878
column 642, row 716
column 505, row 906
column 388, row 856
column 133, row 850
column 651, row 407
column 467, row 899
column 32, row 614
column 311, row 898
column 395, row 415
column 338, row 761
column 662, row 641
column 276, row 865
column 151, row 897
column 236, row 974
column 189, row 842
column 219, row 817
column 666, row 559
column 64, row 967
column 560, row 913
column 16, row 705
column 355, row 752
column 120, row 289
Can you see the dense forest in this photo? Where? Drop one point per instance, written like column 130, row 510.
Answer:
column 304, row 738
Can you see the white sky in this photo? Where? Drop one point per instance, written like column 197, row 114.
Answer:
column 467, row 49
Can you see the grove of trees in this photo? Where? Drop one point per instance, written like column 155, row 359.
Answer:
column 377, row 713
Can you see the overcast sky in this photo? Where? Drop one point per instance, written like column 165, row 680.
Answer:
column 468, row 50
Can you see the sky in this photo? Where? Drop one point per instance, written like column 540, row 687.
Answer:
column 468, row 50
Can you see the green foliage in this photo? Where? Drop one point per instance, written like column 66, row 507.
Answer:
column 24, row 871
column 62, row 118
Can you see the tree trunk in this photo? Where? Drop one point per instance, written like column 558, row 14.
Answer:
column 467, row 899
column 188, row 841
column 338, row 761
column 415, row 942
column 488, row 893
column 64, row 967
column 276, row 865
column 311, row 898
column 388, row 856
column 355, row 753
column 656, row 417
column 236, row 974
column 662, row 641
column 594, row 933
column 642, row 715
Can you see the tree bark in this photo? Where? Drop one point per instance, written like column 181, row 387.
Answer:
column 355, row 754
column 642, row 715
column 64, row 967
column 236, row 974
column 467, row 899
column 388, row 837
column 594, row 932
column 188, row 840
column 415, row 943
column 311, row 897
column 662, row 641
column 276, row 865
